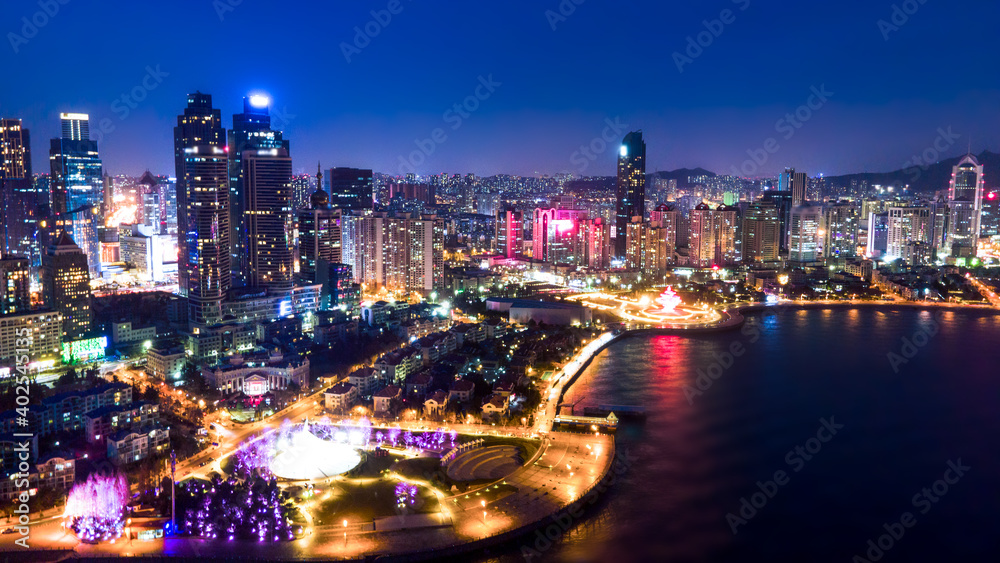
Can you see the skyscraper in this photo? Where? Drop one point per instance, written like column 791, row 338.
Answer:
column 267, row 201
column 965, row 204
column 319, row 235
column 350, row 188
column 795, row 183
column 66, row 286
column 761, row 233
column 842, row 222
column 203, row 249
column 806, row 224
column 199, row 125
column 989, row 220
column 15, row 295
column 18, row 199
column 510, row 233
column 631, row 193
column 906, row 225
column 77, row 183
column 251, row 132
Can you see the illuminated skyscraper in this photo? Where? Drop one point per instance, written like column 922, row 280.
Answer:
column 267, row 200
column 18, row 199
column 77, row 183
column 199, row 125
column 251, row 132
column 350, row 188
column 794, row 183
column 205, row 268
column 807, row 222
column 15, row 293
column 842, row 222
column 965, row 204
column 631, row 193
column 761, row 233
column 906, row 225
column 66, row 286
column 989, row 221
column 510, row 233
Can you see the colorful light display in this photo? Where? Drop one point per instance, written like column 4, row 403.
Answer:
column 95, row 509
column 84, row 350
column 668, row 301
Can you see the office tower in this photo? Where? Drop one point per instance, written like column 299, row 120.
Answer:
column 18, row 198
column 841, row 238
column 108, row 238
column 203, row 249
column 267, row 200
column 965, row 203
column 597, row 233
column 251, row 132
column 338, row 285
column 199, row 125
column 303, row 185
column 425, row 256
column 555, row 235
column 807, row 223
column 782, row 199
column 795, row 183
column 939, row 220
column 989, row 222
column 350, row 188
column 635, row 243
column 905, row 225
column 78, row 183
column 702, row 241
column 319, row 235
column 761, row 233
column 510, row 233
column 15, row 290
column 878, row 235
column 631, row 188
column 66, row 286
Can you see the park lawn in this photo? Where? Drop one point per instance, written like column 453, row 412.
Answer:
column 358, row 502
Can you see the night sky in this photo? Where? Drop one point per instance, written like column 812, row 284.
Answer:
column 605, row 60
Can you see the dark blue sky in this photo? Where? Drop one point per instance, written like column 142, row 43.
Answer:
column 607, row 59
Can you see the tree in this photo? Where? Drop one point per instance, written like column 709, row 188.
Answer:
column 68, row 378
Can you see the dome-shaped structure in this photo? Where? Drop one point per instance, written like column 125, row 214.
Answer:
column 320, row 199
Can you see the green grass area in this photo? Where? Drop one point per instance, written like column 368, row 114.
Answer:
column 366, row 501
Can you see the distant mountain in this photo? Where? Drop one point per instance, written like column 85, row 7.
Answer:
column 682, row 175
column 926, row 179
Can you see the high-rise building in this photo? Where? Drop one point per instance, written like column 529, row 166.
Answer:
column 78, row 183
column 597, row 233
column 251, row 132
column 878, row 235
column 807, row 223
column 18, row 199
column 965, row 203
column 702, row 237
column 795, row 183
column 267, row 202
column 203, row 248
column 15, row 290
column 510, row 233
column 319, row 235
column 631, row 188
column 782, row 199
column 842, row 222
column 556, row 236
column 66, row 286
column 199, row 126
column 989, row 221
column 350, row 188
column 906, row 225
column 761, row 233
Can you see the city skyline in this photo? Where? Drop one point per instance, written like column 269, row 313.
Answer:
column 881, row 109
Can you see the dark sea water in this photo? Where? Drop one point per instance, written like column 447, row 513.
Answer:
column 697, row 456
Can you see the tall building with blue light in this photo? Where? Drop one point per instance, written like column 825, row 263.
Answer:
column 251, row 131
column 631, row 194
column 18, row 199
column 77, row 183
